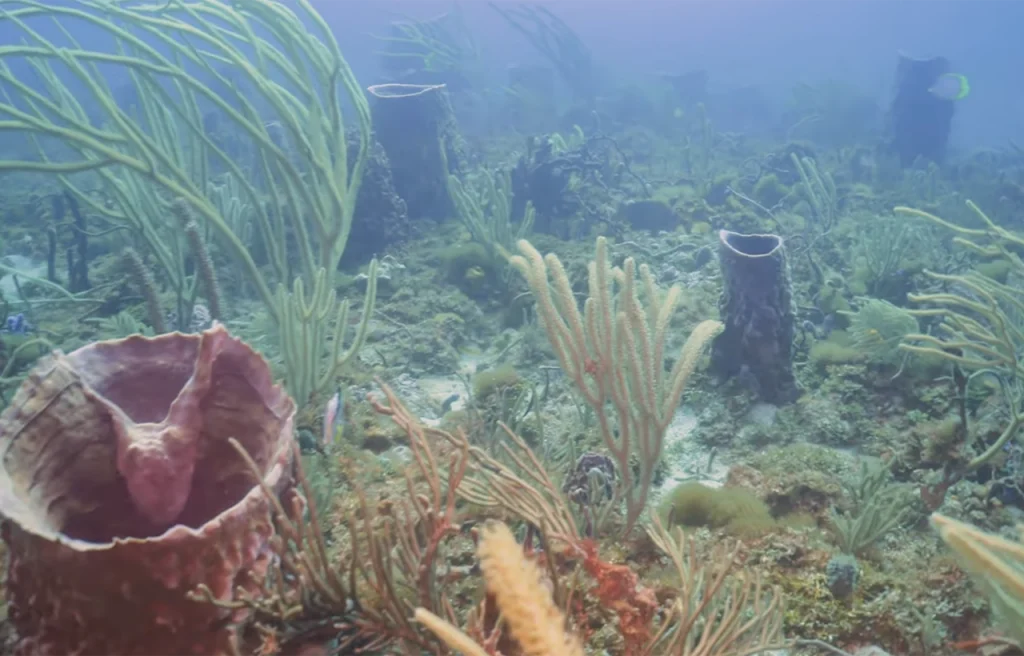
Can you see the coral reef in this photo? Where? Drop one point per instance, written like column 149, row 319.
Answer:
column 623, row 450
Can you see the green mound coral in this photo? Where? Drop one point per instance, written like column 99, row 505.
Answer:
column 735, row 509
column 487, row 383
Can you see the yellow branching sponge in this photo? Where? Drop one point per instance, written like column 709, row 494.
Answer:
column 525, row 603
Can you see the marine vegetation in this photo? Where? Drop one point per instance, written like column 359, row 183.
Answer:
column 644, row 365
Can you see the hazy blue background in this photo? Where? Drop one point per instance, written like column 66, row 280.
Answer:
column 771, row 43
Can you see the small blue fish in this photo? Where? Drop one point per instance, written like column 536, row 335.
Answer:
column 950, row 86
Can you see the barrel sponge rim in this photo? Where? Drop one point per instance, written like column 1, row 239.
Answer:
column 753, row 246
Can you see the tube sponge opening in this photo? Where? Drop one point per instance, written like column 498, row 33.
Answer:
column 750, row 245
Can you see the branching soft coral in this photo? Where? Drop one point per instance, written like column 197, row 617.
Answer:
column 525, row 603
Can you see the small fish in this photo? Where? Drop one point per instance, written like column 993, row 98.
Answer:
column 334, row 419
column 950, row 86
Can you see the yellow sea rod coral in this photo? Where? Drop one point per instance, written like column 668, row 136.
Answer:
column 533, row 619
column 525, row 603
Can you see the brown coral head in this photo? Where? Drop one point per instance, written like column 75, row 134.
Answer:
column 118, row 477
